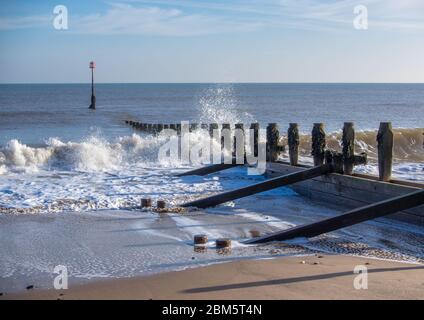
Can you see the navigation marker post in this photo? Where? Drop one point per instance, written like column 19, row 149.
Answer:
column 93, row 98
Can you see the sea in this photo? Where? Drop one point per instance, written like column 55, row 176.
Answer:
column 71, row 179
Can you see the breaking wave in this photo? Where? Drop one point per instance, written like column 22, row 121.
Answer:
column 408, row 144
column 97, row 154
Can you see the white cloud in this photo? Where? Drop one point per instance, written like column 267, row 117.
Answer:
column 25, row 22
column 128, row 19
column 193, row 17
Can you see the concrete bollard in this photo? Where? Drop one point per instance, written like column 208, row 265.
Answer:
column 146, row 203
column 223, row 243
column 318, row 143
column 200, row 239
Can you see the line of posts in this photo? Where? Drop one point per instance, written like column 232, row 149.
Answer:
column 318, row 144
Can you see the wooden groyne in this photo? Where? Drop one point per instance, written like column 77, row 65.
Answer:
column 331, row 178
column 355, row 216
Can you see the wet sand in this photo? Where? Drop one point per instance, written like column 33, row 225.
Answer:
column 308, row 277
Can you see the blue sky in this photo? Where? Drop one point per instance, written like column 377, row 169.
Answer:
column 212, row 41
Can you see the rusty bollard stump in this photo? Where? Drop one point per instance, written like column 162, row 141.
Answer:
column 200, row 239
column 146, row 203
column 223, row 243
column 254, row 233
column 160, row 204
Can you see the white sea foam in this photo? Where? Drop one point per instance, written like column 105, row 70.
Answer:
column 97, row 174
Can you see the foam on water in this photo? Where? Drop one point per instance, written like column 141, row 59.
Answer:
column 99, row 174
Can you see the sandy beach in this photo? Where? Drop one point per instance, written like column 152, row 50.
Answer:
column 307, row 277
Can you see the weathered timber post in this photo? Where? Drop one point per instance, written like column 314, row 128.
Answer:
column 338, row 162
column 348, row 144
column 146, row 203
column 255, row 127
column 200, row 239
column 178, row 127
column 193, row 127
column 385, row 151
column 212, row 127
column 226, row 137
column 239, row 150
column 223, row 243
column 318, row 143
column 272, row 138
column 160, row 204
column 293, row 140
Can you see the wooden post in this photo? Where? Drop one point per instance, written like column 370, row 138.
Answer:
column 385, row 151
column 193, row 127
column 146, row 203
column 338, row 162
column 160, row 204
column 272, row 137
column 212, row 127
column 208, row 170
column 255, row 127
column 178, row 127
column 200, row 239
column 226, row 136
column 293, row 140
column 348, row 144
column 318, row 143
column 261, row 187
column 350, row 218
column 239, row 143
column 223, row 243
